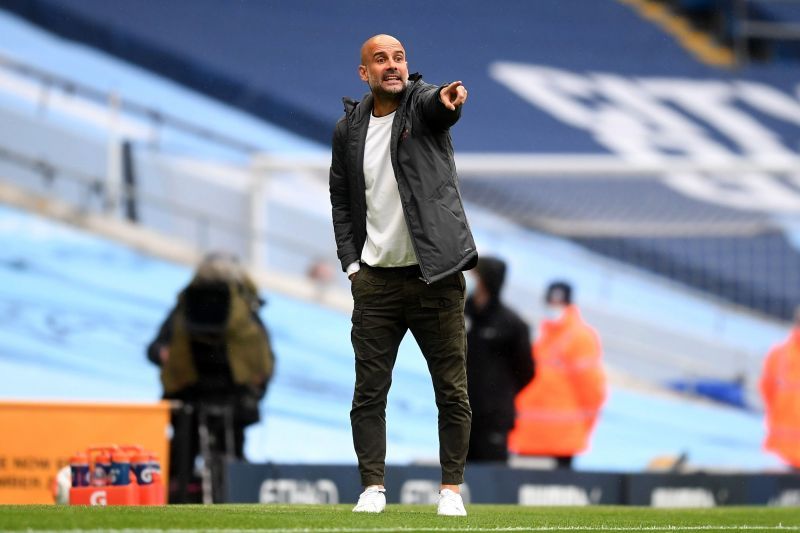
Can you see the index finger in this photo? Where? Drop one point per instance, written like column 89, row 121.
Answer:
column 454, row 85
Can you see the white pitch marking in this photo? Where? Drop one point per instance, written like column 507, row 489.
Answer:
column 437, row 529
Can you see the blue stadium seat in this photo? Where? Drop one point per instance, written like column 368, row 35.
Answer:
column 249, row 67
column 77, row 312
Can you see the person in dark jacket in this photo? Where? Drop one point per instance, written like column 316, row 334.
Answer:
column 499, row 362
column 213, row 350
column 403, row 239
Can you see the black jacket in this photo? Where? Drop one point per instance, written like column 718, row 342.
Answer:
column 499, row 364
column 422, row 159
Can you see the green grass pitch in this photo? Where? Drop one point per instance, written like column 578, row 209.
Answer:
column 338, row 518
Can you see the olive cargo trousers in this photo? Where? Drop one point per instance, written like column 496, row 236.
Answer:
column 387, row 303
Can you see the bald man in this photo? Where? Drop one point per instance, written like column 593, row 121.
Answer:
column 403, row 240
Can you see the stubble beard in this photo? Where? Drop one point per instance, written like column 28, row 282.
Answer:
column 388, row 94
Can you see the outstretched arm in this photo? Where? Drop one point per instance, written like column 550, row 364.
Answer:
column 441, row 106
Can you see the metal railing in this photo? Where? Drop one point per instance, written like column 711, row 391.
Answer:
column 119, row 103
column 110, row 190
column 94, row 187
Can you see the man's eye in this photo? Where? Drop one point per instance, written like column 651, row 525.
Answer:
column 380, row 60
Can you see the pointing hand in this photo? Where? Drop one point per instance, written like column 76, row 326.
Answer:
column 453, row 96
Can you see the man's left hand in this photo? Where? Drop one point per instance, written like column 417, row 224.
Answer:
column 453, row 96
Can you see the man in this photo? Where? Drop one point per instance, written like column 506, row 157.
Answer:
column 499, row 362
column 213, row 350
column 557, row 411
column 780, row 388
column 403, row 239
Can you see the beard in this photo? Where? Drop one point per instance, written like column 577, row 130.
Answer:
column 391, row 92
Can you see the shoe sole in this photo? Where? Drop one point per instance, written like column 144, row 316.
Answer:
column 370, row 511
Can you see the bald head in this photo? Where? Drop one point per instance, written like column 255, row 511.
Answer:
column 378, row 42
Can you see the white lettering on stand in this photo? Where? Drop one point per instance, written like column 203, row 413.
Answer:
column 426, row 492
column 571, row 495
column 682, row 497
column 650, row 119
column 298, row 491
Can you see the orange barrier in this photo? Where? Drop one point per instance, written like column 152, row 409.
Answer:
column 38, row 439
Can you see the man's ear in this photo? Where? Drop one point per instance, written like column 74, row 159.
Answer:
column 362, row 73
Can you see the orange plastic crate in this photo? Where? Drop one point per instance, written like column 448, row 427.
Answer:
column 110, row 495
column 131, row 494
column 152, row 494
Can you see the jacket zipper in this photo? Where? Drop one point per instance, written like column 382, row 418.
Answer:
column 397, row 173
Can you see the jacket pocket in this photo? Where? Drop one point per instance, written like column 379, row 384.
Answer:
column 447, row 198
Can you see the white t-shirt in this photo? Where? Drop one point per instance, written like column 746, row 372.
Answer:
column 388, row 242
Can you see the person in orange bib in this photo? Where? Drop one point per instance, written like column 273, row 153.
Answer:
column 780, row 388
column 557, row 411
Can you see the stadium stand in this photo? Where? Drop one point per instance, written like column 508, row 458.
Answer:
column 551, row 78
column 758, row 30
column 674, row 335
column 78, row 311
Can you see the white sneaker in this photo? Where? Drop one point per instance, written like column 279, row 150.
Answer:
column 372, row 500
column 451, row 504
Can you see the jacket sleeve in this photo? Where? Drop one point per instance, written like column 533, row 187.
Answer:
column 433, row 111
column 340, row 198
column 522, row 363
column 163, row 338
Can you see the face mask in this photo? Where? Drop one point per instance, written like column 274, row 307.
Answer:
column 553, row 312
column 471, row 283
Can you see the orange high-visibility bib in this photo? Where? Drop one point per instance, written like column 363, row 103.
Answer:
column 557, row 411
column 780, row 388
